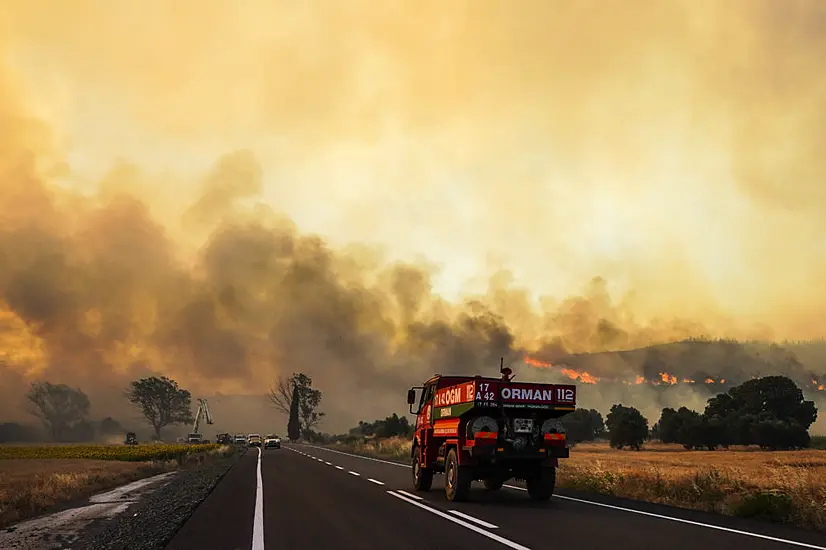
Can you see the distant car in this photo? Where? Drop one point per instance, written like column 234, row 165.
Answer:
column 240, row 439
column 272, row 441
column 254, row 440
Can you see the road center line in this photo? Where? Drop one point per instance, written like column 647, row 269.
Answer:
column 497, row 538
column 339, row 467
column 473, row 519
column 328, row 463
column 258, row 518
column 353, row 473
column 409, row 495
column 377, row 482
column 618, row 508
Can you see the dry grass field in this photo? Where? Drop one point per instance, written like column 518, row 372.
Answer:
column 784, row 487
column 31, row 486
column 33, row 479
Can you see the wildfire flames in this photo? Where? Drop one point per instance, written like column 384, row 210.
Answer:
column 665, row 378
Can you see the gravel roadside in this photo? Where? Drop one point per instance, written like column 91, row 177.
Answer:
column 151, row 523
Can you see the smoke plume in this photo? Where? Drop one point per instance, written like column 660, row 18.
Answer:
column 371, row 193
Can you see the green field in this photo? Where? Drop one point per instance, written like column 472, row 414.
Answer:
column 128, row 453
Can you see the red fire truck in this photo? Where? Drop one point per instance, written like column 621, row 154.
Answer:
column 491, row 429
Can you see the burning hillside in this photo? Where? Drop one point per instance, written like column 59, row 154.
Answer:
column 741, row 361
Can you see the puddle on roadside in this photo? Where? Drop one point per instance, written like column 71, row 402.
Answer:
column 62, row 529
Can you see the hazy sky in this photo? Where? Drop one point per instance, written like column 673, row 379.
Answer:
column 675, row 149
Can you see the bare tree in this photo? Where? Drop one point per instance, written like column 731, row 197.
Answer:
column 281, row 394
column 301, row 385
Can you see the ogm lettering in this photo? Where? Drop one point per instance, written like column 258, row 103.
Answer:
column 449, row 396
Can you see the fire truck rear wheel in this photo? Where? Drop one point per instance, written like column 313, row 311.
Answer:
column 422, row 477
column 457, row 478
column 541, row 486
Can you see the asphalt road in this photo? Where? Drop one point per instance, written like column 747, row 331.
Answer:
column 304, row 497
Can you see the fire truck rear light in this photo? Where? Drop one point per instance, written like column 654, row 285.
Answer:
column 554, row 437
column 485, row 435
column 501, row 449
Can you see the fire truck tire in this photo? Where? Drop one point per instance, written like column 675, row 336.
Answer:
column 422, row 477
column 457, row 478
column 493, row 483
column 541, row 486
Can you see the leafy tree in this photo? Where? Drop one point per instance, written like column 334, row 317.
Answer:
column 161, row 402
column 583, row 425
column 283, row 394
column 294, row 426
column 392, row 426
column 627, row 427
column 666, row 428
column 768, row 411
column 58, row 406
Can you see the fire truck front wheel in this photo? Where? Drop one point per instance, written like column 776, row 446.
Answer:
column 457, row 478
column 422, row 477
column 541, row 485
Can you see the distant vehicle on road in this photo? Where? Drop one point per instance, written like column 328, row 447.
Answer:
column 272, row 441
column 240, row 439
column 224, row 439
column 131, row 439
column 254, row 440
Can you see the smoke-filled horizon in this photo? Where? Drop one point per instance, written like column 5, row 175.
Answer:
column 370, row 194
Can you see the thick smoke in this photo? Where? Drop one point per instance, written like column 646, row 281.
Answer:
column 521, row 148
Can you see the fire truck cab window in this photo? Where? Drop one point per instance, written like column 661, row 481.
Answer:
column 426, row 395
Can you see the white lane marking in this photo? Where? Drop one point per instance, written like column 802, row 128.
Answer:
column 410, row 495
column 687, row 521
column 353, row 473
column 258, row 519
column 328, row 463
column 362, row 457
column 377, row 482
column 497, row 538
column 473, row 519
column 339, row 467
column 622, row 509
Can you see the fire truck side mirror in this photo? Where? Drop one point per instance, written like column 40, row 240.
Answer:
column 411, row 397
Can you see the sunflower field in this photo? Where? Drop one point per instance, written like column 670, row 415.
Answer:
column 129, row 453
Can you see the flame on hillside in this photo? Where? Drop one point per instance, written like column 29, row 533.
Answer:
column 665, row 378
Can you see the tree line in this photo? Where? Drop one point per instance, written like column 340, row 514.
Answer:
column 64, row 411
column 769, row 412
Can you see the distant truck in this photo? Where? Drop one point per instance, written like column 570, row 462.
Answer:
column 490, row 429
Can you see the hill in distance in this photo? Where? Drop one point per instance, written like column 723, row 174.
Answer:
column 721, row 363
